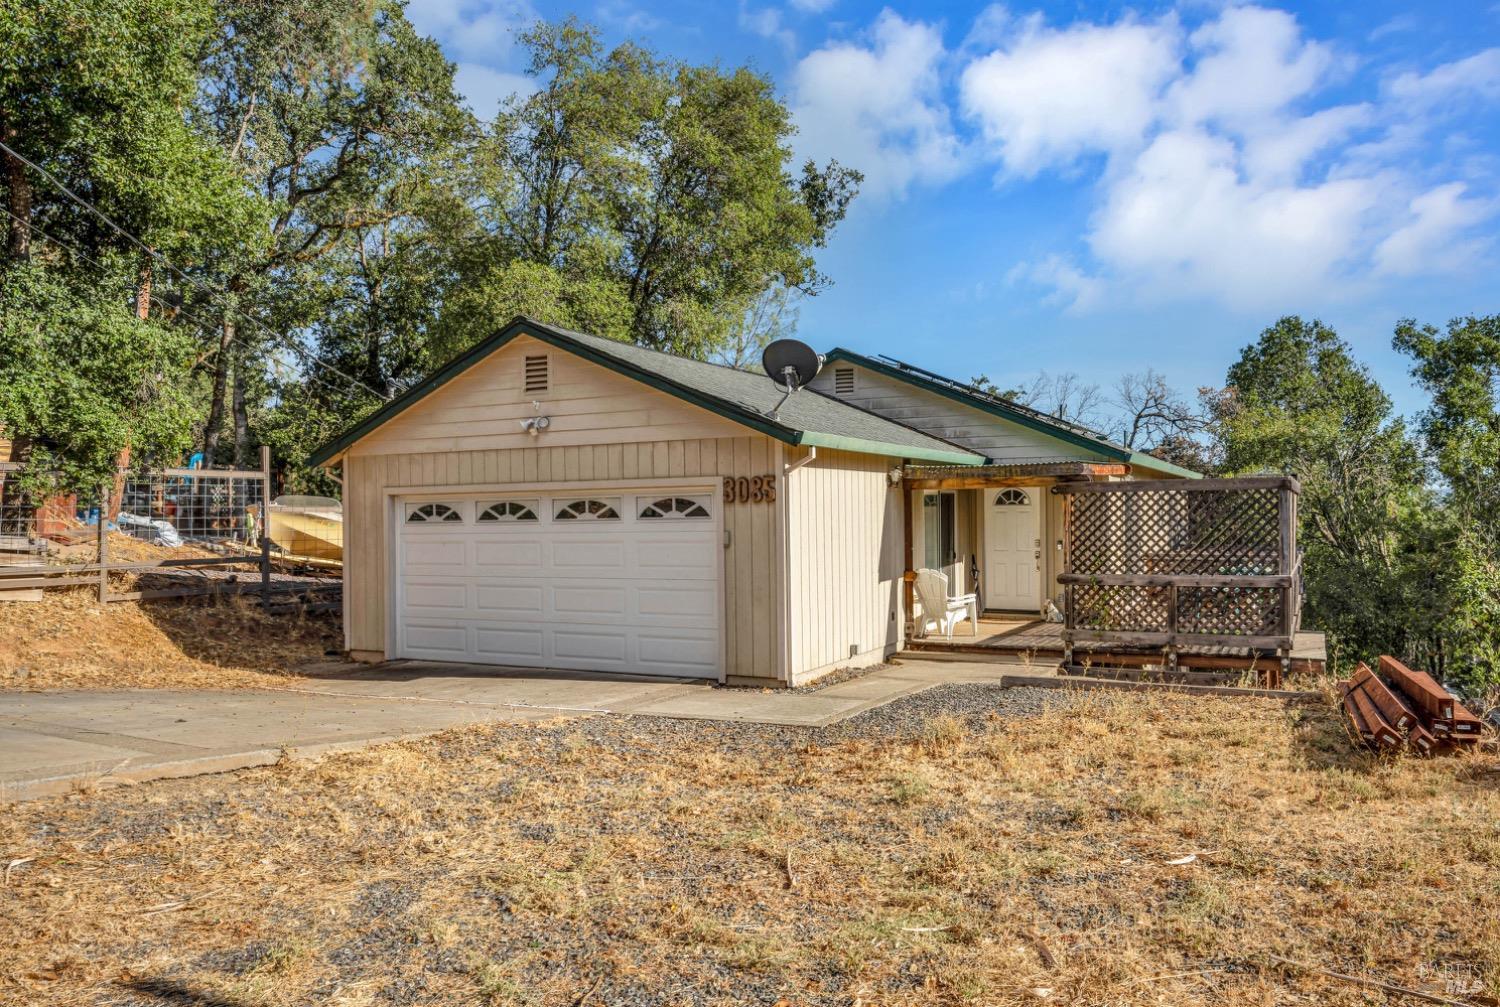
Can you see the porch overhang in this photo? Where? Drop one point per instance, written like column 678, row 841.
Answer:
column 962, row 477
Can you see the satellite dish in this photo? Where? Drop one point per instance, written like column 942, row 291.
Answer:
column 791, row 364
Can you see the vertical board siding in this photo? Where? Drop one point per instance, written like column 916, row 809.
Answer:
column 752, row 594
column 845, row 560
column 1000, row 439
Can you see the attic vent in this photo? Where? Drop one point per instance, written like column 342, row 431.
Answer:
column 843, row 381
column 536, row 374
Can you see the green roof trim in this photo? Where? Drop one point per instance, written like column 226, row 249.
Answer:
column 855, row 444
column 1139, row 459
column 1023, row 417
column 807, row 418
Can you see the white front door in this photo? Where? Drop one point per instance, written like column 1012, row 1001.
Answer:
column 1013, row 544
column 592, row 580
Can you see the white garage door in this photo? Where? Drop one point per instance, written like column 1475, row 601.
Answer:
column 593, row 581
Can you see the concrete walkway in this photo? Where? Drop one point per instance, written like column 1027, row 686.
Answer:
column 56, row 742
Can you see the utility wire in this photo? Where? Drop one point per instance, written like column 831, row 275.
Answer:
column 343, row 395
column 201, row 285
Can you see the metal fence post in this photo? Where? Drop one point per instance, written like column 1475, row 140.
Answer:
column 102, row 557
column 265, row 526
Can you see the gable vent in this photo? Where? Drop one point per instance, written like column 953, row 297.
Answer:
column 843, row 381
column 536, row 374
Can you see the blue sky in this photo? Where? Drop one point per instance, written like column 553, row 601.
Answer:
column 1102, row 188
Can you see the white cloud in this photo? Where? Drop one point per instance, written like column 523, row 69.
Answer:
column 482, row 31
column 1250, row 65
column 1432, row 239
column 1183, row 220
column 485, row 88
column 766, row 22
column 1476, row 76
column 1223, row 171
column 1071, row 287
column 626, row 16
column 813, row 6
column 1280, row 150
column 1046, row 97
column 878, row 107
column 480, row 37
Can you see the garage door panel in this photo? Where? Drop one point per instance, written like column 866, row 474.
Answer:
column 591, row 645
column 509, row 600
column 688, row 602
column 688, row 554
column 593, row 601
column 442, row 596
column 677, row 651
column 510, row 645
column 601, row 595
column 577, row 554
column 426, row 552
column 508, row 553
column 426, row 638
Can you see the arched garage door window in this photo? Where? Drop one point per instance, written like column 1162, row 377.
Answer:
column 674, row 507
column 433, row 512
column 588, row 510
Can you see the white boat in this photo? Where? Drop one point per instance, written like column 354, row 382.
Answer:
column 308, row 528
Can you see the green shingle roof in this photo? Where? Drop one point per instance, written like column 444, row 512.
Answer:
column 807, row 418
column 1070, row 433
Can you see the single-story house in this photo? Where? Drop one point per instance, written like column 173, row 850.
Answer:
column 555, row 499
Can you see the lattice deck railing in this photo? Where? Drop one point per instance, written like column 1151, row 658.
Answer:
column 1174, row 563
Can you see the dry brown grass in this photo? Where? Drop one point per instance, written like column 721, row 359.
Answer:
column 603, row 861
column 69, row 641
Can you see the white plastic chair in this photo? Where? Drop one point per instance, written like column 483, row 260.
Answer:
column 941, row 610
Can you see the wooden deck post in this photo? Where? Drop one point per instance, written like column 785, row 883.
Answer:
column 265, row 526
column 1172, row 627
column 1288, row 527
column 1069, row 623
column 908, row 574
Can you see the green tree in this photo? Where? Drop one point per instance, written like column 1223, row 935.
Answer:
column 1298, row 403
column 93, row 92
column 1460, row 369
column 81, row 377
column 639, row 198
column 771, row 315
column 345, row 120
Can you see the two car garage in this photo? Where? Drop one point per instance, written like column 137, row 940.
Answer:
column 596, row 579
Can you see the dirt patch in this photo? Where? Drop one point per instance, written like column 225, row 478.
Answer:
column 69, row 641
column 964, row 846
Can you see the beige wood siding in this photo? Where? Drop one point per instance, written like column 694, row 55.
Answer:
column 752, row 566
column 845, row 559
column 1000, row 439
column 1052, row 540
column 587, row 404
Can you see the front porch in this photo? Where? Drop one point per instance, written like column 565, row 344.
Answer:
column 994, row 530
column 1014, row 636
column 1165, row 574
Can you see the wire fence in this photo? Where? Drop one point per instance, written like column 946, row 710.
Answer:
column 169, row 533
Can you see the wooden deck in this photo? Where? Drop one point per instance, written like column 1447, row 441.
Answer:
column 999, row 635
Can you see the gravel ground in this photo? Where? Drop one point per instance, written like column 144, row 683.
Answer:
column 939, row 850
column 379, row 930
column 905, row 719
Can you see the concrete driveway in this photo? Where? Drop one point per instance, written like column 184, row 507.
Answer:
column 56, row 742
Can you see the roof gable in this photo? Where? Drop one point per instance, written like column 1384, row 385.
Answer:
column 741, row 397
column 487, row 406
column 1069, row 439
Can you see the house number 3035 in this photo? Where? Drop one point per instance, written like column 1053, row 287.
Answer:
column 749, row 489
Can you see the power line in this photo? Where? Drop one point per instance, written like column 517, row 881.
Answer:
column 168, row 263
column 342, row 394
